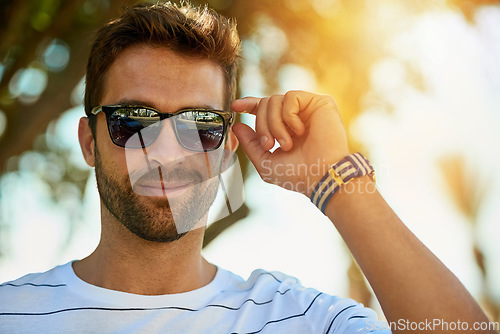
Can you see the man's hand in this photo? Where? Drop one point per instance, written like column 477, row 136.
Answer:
column 310, row 133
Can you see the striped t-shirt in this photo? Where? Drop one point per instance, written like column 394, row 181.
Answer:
column 57, row 301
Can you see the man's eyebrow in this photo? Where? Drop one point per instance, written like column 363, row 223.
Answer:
column 129, row 102
column 202, row 106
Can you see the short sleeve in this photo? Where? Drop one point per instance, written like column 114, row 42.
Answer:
column 332, row 315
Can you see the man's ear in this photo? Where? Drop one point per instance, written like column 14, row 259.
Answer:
column 86, row 141
column 229, row 149
column 231, row 141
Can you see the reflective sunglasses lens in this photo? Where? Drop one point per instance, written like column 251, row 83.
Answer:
column 134, row 127
column 199, row 130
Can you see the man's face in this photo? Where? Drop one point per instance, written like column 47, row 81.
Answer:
column 175, row 187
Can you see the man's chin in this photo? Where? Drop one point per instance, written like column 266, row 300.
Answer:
column 165, row 238
column 159, row 202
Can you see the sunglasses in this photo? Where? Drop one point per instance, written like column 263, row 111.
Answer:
column 199, row 129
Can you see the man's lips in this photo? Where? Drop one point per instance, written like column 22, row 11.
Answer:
column 161, row 189
column 163, row 182
column 164, row 185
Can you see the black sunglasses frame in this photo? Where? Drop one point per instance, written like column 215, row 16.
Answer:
column 108, row 110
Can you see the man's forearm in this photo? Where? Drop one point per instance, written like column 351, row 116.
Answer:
column 409, row 281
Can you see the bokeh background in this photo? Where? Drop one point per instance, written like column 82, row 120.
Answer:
column 418, row 85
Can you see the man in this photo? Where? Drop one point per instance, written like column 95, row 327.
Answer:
column 159, row 131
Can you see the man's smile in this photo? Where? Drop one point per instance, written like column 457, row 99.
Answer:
column 168, row 189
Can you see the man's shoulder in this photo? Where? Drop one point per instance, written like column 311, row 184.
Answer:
column 260, row 277
column 287, row 300
column 273, row 287
column 50, row 277
column 263, row 283
column 32, row 287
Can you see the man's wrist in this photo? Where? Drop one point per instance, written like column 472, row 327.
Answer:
column 338, row 178
column 358, row 195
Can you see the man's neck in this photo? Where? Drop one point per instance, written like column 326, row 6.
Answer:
column 124, row 262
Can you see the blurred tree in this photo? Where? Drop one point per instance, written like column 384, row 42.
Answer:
column 43, row 50
column 36, row 86
column 469, row 7
column 468, row 191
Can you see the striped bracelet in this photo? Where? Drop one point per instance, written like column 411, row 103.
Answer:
column 354, row 165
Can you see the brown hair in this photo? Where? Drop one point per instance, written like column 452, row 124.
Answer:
column 197, row 32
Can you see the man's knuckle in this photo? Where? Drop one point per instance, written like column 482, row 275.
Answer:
column 293, row 94
column 328, row 100
column 276, row 98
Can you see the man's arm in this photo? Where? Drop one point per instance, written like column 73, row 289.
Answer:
column 409, row 281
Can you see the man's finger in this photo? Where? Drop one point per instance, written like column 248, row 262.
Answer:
column 276, row 124
column 246, row 105
column 262, row 126
column 250, row 142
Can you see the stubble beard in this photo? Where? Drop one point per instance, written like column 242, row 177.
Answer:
column 151, row 218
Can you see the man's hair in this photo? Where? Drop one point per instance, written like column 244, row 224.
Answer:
column 197, row 32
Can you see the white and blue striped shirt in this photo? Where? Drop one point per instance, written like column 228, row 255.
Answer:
column 57, row 301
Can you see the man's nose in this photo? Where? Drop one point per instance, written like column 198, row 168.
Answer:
column 166, row 149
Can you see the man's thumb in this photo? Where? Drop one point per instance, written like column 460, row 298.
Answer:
column 250, row 142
